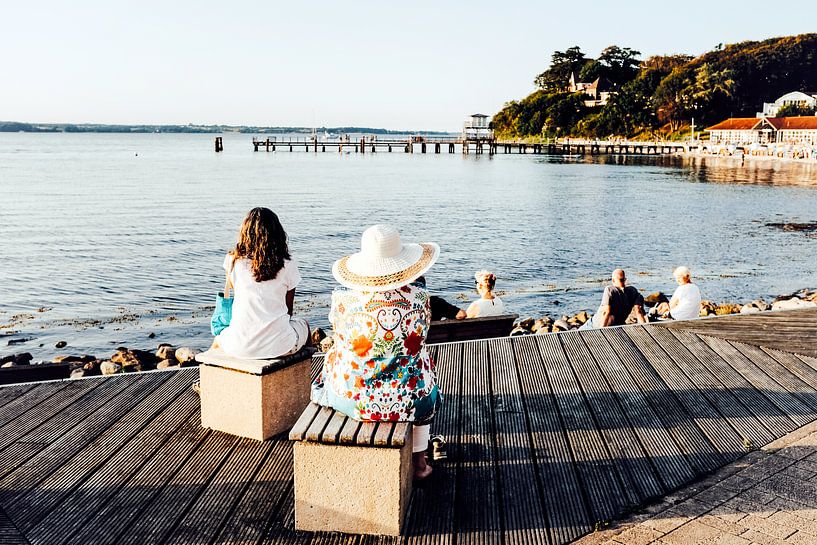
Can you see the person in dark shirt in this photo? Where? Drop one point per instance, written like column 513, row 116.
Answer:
column 618, row 301
column 442, row 309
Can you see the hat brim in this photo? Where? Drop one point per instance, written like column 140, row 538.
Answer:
column 390, row 275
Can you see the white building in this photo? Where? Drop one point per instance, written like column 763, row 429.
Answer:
column 476, row 128
column 766, row 130
column 795, row 98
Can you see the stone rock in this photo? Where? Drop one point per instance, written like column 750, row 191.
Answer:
column 543, row 330
column 165, row 352
column 656, row 298
column 542, row 323
column 8, row 364
column 168, row 364
column 317, row 336
column 707, row 308
column 134, row 360
column 526, row 323
column 793, row 303
column 15, row 360
column 151, row 335
column 725, row 309
column 79, row 372
column 61, row 344
column 326, row 344
column 582, row 317
column 517, row 331
column 561, row 325
column 186, row 355
column 92, row 368
column 85, row 358
column 749, row 309
column 108, row 367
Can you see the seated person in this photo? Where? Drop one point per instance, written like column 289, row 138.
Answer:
column 488, row 304
column 378, row 367
column 443, row 310
column 618, row 301
column 263, row 277
column 685, row 303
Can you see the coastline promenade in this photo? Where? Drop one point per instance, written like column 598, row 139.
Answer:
column 550, row 438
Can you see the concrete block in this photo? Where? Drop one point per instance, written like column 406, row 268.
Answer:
column 352, row 489
column 254, row 401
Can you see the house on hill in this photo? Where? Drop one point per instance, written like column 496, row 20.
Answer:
column 795, row 98
column 596, row 93
column 765, row 130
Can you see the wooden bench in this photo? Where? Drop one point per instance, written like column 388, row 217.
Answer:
column 444, row 331
column 253, row 398
column 350, row 476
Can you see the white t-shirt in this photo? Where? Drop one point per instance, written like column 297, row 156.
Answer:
column 486, row 307
column 688, row 307
column 259, row 327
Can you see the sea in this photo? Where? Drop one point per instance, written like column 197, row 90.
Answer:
column 111, row 240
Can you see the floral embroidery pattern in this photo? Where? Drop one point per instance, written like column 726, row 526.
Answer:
column 378, row 361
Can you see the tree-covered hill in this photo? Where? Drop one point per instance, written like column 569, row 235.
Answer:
column 658, row 95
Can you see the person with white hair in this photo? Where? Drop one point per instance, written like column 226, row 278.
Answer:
column 685, row 303
column 488, row 304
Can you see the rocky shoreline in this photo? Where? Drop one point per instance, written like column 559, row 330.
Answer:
column 129, row 360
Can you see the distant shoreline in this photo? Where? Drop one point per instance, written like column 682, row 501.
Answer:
column 62, row 128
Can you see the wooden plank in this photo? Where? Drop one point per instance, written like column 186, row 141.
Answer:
column 634, row 468
column 431, row 516
column 694, row 403
column 260, row 506
column 670, row 462
column 564, row 498
column 795, row 364
column 332, row 432
column 701, row 454
column 478, row 517
column 523, row 521
column 205, row 518
column 80, row 506
column 140, row 491
column 348, row 433
column 318, row 424
column 27, row 400
column 728, row 405
column 763, row 409
column 9, row 534
column 165, row 509
column 35, row 498
column 12, row 392
column 382, row 436
column 772, row 363
column 283, row 531
column 365, row 435
column 597, row 471
column 796, row 410
column 298, row 431
column 400, row 434
column 49, row 445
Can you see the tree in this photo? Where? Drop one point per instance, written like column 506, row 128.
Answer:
column 621, row 63
column 562, row 64
column 795, row 110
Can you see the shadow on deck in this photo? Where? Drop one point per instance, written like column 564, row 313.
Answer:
column 548, row 436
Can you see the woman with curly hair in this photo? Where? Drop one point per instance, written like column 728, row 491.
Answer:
column 488, row 304
column 263, row 277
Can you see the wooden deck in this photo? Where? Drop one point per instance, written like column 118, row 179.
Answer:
column 548, row 436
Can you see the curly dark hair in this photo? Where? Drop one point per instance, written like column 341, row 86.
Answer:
column 263, row 241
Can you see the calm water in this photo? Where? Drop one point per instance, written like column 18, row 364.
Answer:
column 107, row 238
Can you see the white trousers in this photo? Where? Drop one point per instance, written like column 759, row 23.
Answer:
column 420, row 438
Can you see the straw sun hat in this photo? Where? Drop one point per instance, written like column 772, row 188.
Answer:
column 384, row 262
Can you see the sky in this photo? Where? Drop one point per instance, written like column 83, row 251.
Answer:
column 417, row 65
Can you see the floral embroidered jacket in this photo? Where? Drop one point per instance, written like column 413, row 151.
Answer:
column 378, row 367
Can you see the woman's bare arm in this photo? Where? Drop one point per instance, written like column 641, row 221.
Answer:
column 290, row 300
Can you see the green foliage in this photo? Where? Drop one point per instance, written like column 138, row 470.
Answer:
column 662, row 92
column 794, row 110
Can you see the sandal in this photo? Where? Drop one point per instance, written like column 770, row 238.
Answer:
column 196, row 387
column 438, row 448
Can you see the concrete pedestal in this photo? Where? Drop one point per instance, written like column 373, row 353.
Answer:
column 253, row 398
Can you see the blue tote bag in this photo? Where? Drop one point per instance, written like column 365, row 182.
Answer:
column 223, row 312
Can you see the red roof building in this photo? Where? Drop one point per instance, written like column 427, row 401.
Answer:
column 765, row 130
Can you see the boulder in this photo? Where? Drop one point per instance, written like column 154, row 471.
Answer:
column 14, row 360
column 317, row 335
column 92, row 368
column 61, row 344
column 542, row 323
column 79, row 372
column 85, row 358
column 544, row 330
column 526, row 323
column 168, row 364
column 725, row 309
column 186, row 355
column 793, row 303
column 561, row 325
column 326, row 344
column 165, row 352
column 517, row 331
column 8, row 364
column 707, row 308
column 749, row 309
column 108, row 367
column 582, row 317
column 134, row 360
column 656, row 298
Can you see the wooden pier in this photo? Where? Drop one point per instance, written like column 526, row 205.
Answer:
column 466, row 146
column 549, row 436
